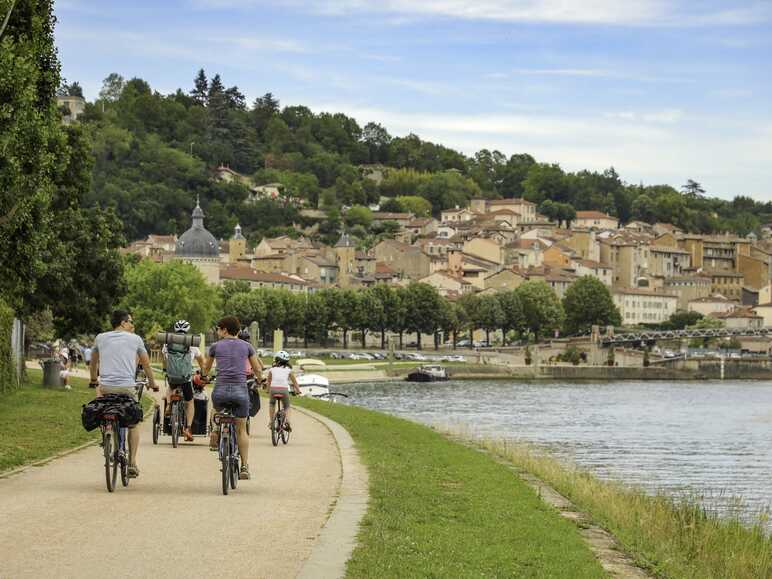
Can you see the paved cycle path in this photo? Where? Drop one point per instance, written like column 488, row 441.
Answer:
column 173, row 521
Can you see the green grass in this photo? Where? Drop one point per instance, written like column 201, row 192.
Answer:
column 37, row 422
column 671, row 538
column 440, row 509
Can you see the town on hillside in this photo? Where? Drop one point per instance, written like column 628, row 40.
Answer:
column 651, row 270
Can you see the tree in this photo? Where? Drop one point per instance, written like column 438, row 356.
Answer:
column 414, row 204
column 512, row 316
column 112, row 87
column 588, row 302
column 422, row 303
column 692, row 190
column 377, row 140
column 200, row 90
column 382, row 316
column 158, row 294
column 542, row 310
column 489, row 315
column 316, row 319
column 705, row 323
column 30, row 142
column 681, row 320
column 359, row 215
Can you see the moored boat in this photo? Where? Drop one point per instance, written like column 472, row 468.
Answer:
column 428, row 373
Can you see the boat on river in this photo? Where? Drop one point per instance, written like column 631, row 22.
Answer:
column 311, row 383
column 428, row 373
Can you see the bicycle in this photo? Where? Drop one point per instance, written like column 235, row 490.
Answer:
column 279, row 424
column 114, row 438
column 228, row 451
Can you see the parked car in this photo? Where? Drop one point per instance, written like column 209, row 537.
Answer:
column 412, row 344
column 399, row 356
column 378, row 356
column 336, row 355
column 463, row 343
column 455, row 358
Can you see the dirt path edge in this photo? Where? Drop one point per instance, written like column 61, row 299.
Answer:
column 338, row 536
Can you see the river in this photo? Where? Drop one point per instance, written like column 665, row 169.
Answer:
column 712, row 440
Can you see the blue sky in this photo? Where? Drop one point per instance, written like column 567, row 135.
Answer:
column 663, row 90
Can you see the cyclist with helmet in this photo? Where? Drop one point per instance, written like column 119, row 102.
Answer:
column 280, row 379
column 181, row 378
column 230, row 388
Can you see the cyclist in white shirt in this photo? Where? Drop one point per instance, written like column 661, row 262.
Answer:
column 280, row 378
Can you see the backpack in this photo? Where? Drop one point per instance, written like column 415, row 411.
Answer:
column 179, row 364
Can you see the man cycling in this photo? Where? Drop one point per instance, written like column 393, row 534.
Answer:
column 113, row 364
column 178, row 365
column 280, row 378
column 231, row 384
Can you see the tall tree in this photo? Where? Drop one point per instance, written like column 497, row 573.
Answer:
column 159, row 293
column 112, row 87
column 30, row 143
column 542, row 310
column 588, row 302
column 200, row 92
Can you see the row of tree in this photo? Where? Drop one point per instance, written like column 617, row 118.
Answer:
column 532, row 310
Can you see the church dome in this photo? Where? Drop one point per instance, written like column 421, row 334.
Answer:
column 197, row 241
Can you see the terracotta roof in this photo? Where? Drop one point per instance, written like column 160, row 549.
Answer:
column 643, row 292
column 593, row 215
column 249, row 274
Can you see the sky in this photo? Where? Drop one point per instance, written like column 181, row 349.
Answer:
column 662, row 90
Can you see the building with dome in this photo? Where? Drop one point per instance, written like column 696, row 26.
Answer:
column 200, row 248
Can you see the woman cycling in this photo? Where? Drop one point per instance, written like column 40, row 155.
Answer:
column 231, row 384
column 280, row 377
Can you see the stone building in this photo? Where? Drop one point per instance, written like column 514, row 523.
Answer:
column 200, row 248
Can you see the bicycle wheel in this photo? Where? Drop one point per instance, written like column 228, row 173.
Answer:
column 110, row 472
column 276, row 428
column 156, row 425
column 234, row 461
column 121, row 461
column 175, row 423
column 285, row 434
column 225, row 459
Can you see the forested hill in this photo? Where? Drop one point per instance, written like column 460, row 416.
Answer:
column 155, row 153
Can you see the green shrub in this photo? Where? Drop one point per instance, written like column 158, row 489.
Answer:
column 8, row 379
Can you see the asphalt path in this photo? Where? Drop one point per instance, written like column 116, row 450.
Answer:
column 173, row 521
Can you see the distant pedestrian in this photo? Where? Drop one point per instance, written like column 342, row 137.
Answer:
column 65, row 364
column 87, row 355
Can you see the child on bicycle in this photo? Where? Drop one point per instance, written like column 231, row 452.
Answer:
column 280, row 378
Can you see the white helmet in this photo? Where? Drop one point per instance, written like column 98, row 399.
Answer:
column 283, row 356
column 182, row 326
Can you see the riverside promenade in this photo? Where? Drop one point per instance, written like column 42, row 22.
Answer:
column 173, row 520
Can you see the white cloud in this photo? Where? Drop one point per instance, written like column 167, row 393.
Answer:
column 609, row 12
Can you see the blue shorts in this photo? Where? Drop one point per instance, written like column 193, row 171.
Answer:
column 234, row 394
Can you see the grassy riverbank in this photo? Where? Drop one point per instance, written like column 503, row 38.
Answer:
column 671, row 539
column 37, row 422
column 440, row 509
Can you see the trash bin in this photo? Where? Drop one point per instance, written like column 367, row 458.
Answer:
column 51, row 372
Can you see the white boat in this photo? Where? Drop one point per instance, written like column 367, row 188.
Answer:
column 312, row 384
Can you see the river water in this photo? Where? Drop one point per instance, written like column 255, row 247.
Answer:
column 712, row 440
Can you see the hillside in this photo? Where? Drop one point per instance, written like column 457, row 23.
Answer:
column 155, row 153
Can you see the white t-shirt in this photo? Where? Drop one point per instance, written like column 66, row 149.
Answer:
column 280, row 377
